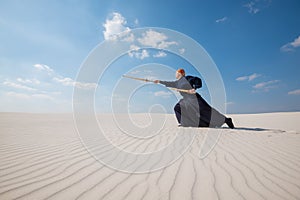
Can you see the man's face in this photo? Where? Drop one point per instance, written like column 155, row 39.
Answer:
column 178, row 75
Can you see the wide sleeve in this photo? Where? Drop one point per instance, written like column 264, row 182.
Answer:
column 169, row 83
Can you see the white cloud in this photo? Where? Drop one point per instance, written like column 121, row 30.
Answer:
column 266, row 86
column 256, row 6
column 64, row 81
column 42, row 67
column 136, row 21
column 43, row 88
column 87, row 86
column 134, row 47
column 128, row 38
column 249, row 78
column 138, row 53
column 160, row 54
column 18, row 86
column 135, row 72
column 155, row 39
column 296, row 42
column 150, row 39
column 42, row 96
column 115, row 25
column 165, row 44
column 164, row 94
column 151, row 77
column 142, row 55
column 251, row 7
column 253, row 76
column 291, row 45
column 70, row 82
column 181, row 51
column 18, row 95
column 221, row 20
column 242, row 78
column 29, row 96
column 294, row 92
column 29, row 81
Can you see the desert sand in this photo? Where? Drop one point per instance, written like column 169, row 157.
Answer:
column 43, row 157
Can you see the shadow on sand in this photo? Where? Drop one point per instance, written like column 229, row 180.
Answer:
column 248, row 129
column 251, row 129
column 258, row 129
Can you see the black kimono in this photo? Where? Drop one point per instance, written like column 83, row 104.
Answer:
column 192, row 110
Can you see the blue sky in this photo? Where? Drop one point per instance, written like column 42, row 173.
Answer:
column 255, row 45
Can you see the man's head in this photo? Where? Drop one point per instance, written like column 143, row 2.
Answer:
column 180, row 73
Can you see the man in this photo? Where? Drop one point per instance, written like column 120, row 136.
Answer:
column 192, row 110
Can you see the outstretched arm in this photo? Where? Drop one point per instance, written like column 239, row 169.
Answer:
column 172, row 84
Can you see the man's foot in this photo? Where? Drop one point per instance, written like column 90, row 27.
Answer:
column 179, row 125
column 229, row 122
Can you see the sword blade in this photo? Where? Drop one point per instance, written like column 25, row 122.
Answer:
column 139, row 79
column 146, row 80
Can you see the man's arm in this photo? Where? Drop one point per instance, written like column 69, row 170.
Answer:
column 172, row 84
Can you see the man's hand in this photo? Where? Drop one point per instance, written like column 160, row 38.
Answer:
column 192, row 91
column 156, row 81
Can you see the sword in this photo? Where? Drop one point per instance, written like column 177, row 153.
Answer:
column 147, row 80
column 139, row 79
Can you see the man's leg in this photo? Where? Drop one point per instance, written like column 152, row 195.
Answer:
column 229, row 122
column 177, row 111
column 203, row 124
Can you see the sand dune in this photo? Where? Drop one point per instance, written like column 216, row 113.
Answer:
column 42, row 157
